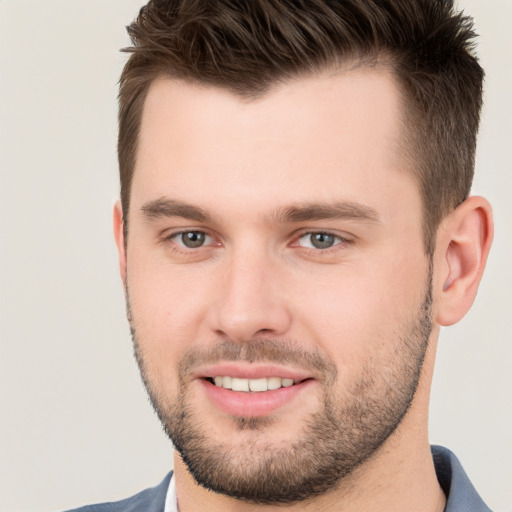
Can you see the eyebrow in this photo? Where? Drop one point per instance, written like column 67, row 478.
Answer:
column 347, row 210
column 166, row 207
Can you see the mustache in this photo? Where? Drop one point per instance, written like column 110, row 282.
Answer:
column 283, row 352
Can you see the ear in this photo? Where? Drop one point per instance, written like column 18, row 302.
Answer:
column 464, row 240
column 120, row 240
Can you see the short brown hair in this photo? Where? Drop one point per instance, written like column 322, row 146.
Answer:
column 246, row 46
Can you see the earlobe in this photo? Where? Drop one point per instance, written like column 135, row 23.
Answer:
column 464, row 244
column 119, row 237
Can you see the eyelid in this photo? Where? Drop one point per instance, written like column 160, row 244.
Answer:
column 177, row 236
column 305, row 232
column 173, row 233
column 170, row 235
column 342, row 240
column 336, row 238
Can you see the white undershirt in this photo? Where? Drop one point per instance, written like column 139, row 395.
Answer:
column 171, row 502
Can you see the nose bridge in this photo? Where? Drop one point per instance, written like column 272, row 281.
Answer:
column 249, row 301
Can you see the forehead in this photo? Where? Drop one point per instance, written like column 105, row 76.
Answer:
column 306, row 139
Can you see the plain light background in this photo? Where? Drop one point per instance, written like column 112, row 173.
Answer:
column 75, row 424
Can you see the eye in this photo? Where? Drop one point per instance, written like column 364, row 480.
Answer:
column 192, row 239
column 319, row 240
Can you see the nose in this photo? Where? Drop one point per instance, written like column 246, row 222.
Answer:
column 250, row 301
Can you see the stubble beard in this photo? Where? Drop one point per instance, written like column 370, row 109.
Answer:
column 348, row 429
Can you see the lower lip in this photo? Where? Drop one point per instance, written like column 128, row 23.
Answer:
column 252, row 404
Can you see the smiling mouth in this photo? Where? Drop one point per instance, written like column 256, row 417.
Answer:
column 252, row 385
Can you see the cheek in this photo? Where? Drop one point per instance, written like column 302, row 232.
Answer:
column 358, row 312
column 167, row 307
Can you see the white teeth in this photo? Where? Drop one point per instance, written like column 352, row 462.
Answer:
column 258, row 384
column 240, row 384
column 227, row 382
column 255, row 385
column 274, row 383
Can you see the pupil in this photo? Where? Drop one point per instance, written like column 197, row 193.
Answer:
column 193, row 239
column 322, row 240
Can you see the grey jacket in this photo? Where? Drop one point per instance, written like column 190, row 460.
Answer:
column 461, row 495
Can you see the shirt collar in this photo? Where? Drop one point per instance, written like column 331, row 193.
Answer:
column 171, row 502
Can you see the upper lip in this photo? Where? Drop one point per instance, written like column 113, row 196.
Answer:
column 251, row 371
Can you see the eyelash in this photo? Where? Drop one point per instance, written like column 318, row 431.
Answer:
column 181, row 248
column 340, row 241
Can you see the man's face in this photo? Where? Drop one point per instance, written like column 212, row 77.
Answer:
column 275, row 248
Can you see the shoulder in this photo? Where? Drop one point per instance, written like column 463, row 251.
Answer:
column 461, row 496
column 149, row 500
